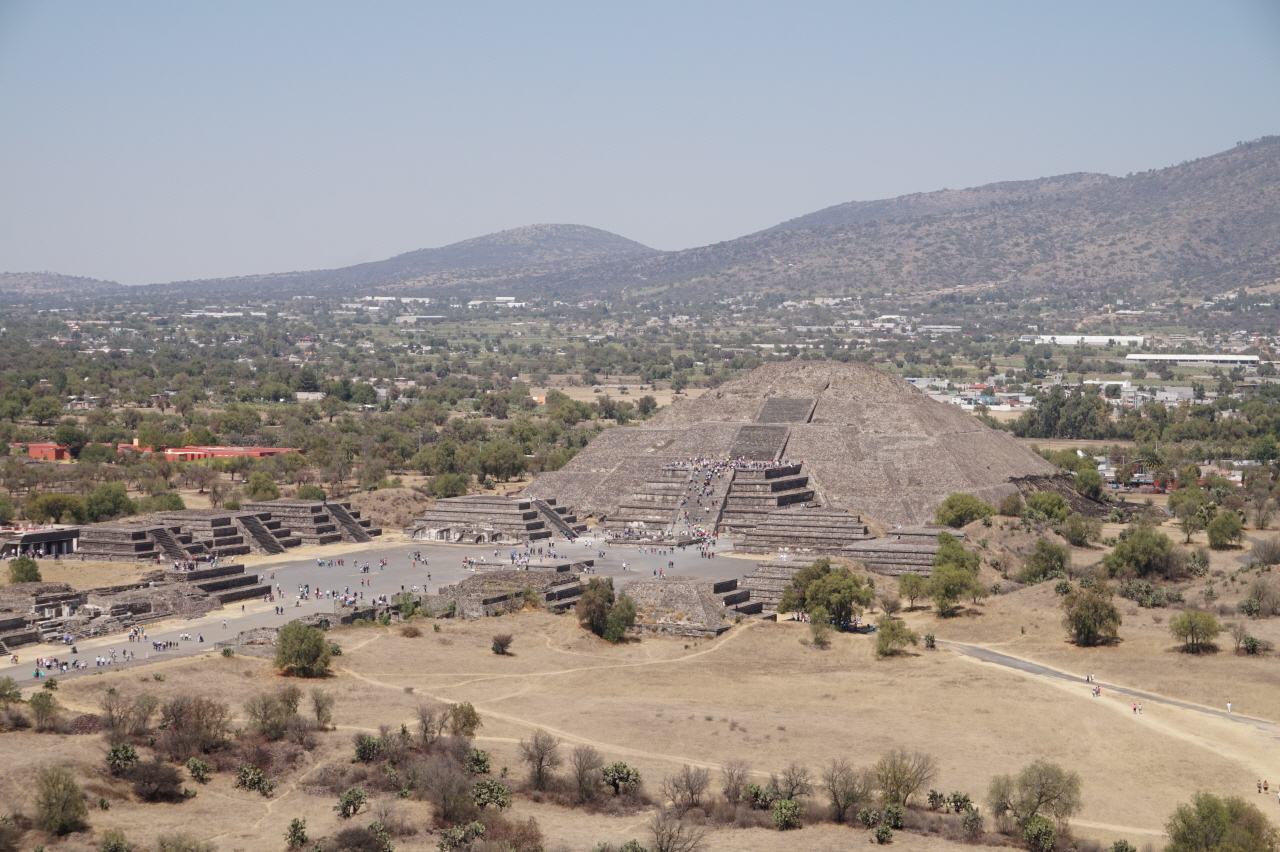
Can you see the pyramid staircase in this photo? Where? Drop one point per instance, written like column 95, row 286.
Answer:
column 553, row 518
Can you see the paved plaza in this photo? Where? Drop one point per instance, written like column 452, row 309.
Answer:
column 445, row 564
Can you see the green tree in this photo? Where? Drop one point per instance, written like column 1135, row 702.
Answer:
column 501, row 460
column 955, row 574
column 622, row 616
column 44, row 409
column 1042, row 789
column 1195, row 629
column 893, row 635
column 23, row 570
column 1089, row 483
column 109, row 500
column 54, row 508
column 595, row 604
column 449, row 485
column 1091, row 618
column 1225, row 530
column 311, row 492
column 71, row 436
column 464, row 720
column 1143, row 551
column 1079, row 530
column 912, row 587
column 60, row 806
column 959, row 510
column 261, row 486
column 302, row 650
column 1212, row 824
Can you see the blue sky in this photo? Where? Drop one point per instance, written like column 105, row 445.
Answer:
column 157, row 141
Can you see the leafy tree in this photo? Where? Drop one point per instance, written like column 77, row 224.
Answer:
column 491, row 792
column 1195, row 629
column 1041, row 790
column 311, row 492
column 833, row 589
column 56, row 507
column 955, row 574
column 261, row 487
column 1079, row 530
column 912, row 587
column 7, row 511
column 44, row 708
column 44, row 409
column 1047, row 562
column 1225, row 530
column 71, row 436
column 1011, row 505
column 1212, row 824
column 10, row 692
column 464, row 720
column 23, row 569
column 1143, row 551
column 449, row 485
column 501, row 460
column 302, row 650
column 60, row 805
column 1089, row 483
column 1091, row 618
column 621, row 618
column 893, row 635
column 109, row 500
column 603, row 613
column 959, row 510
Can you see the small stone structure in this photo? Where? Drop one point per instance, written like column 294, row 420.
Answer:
column 905, row 550
column 492, row 519
column 318, row 521
column 768, row 580
column 817, row 531
column 500, row 591
column 688, row 606
column 136, row 542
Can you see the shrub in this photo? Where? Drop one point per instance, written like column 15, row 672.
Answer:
column 1048, row 562
column 477, row 762
column 1062, row 587
column 1211, row 823
column 893, row 635
column 350, row 802
column 156, row 781
column 1051, row 504
column 199, row 770
column 1091, row 618
column 192, row 726
column 464, row 720
column 1079, row 530
column 113, row 840
column 1123, row 845
column 787, row 814
column 44, row 709
column 1010, row 505
column 883, row 834
column 971, row 822
column 959, row 510
column 869, row 817
column 295, row 836
column 686, row 788
column 1039, row 834
column 121, row 758
column 250, row 777
column 901, row 773
column 183, row 842
column 23, row 570
column 60, row 806
column 311, row 492
column 322, row 707
column 302, row 650
column 491, row 792
column 369, row 748
column 501, row 644
column 619, row 776
column 894, row 815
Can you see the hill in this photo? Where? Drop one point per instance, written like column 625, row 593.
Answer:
column 534, row 249
column 40, row 285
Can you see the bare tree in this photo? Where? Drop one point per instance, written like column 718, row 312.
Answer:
column 542, row 752
column 586, row 763
column 686, row 788
column 1239, row 633
column 735, row 774
column 669, row 833
column 846, row 788
column 900, row 774
column 794, row 782
column 432, row 721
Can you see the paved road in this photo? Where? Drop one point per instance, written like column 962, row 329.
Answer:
column 444, row 566
column 989, row 656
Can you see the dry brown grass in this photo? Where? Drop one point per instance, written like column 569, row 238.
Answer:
column 89, row 575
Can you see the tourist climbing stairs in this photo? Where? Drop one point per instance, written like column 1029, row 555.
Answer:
column 350, row 526
column 168, row 543
column 261, row 537
column 706, row 516
column 552, row 518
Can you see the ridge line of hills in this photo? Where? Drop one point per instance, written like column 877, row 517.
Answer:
column 1212, row 222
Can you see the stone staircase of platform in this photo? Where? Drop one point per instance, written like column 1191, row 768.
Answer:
column 226, row 583
column 656, row 505
column 814, row 530
column 259, row 536
column 708, row 515
column 551, row 517
column 782, row 410
column 168, row 543
column 759, row 443
column 352, row 530
column 757, row 493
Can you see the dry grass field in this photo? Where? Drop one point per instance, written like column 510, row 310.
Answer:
column 759, row 693
column 89, row 575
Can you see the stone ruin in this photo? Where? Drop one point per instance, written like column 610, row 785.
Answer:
column 263, row 528
column 44, row 612
column 491, row 519
column 501, row 590
column 820, row 532
column 905, row 550
column 688, row 606
column 844, row 436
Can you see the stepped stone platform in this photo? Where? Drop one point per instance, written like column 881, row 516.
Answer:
column 688, row 606
column 870, row 443
column 756, row 494
column 490, row 519
column 491, row 593
column 817, row 531
column 906, row 550
column 138, row 542
column 225, row 533
column 768, row 580
column 315, row 521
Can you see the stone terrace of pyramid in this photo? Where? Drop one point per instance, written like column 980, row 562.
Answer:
column 868, row 442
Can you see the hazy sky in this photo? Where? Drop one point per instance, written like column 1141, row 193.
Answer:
column 155, row 141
